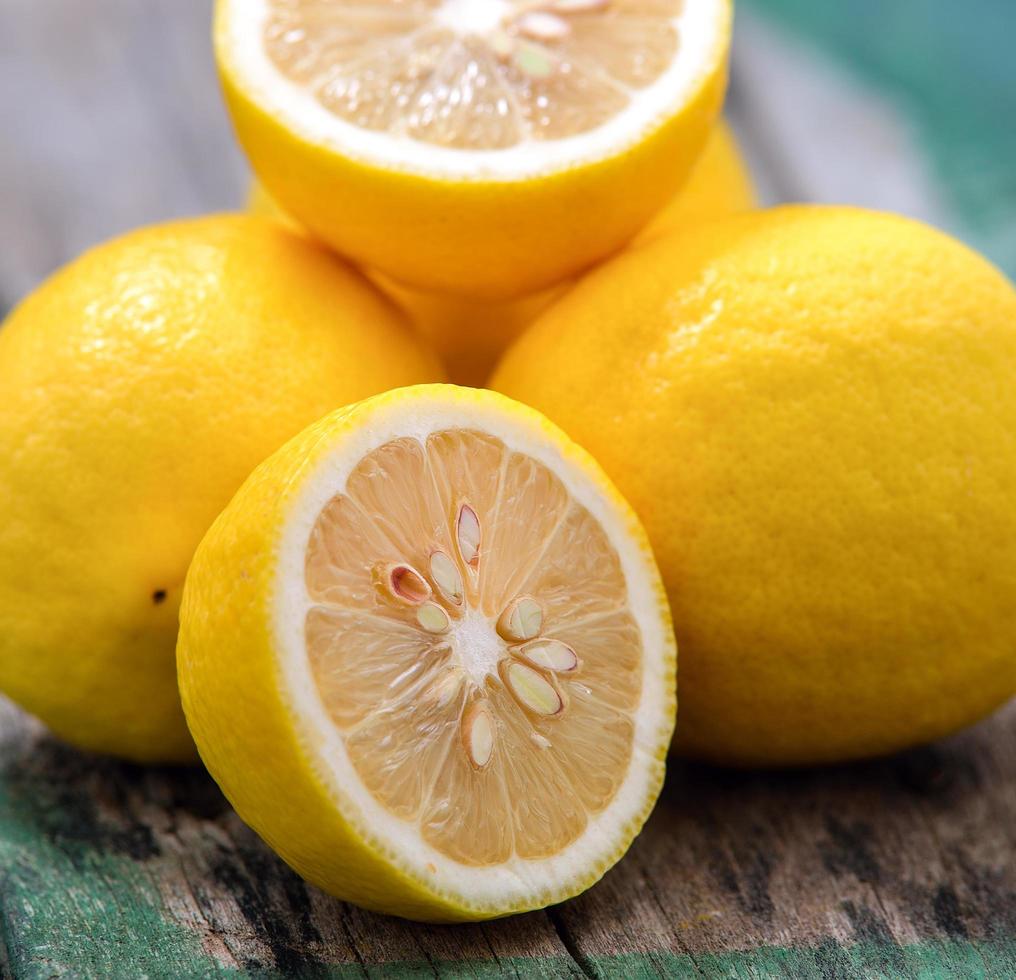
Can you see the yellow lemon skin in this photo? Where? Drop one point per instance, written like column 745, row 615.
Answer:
column 482, row 237
column 720, row 184
column 240, row 708
column 470, row 335
column 141, row 384
column 813, row 412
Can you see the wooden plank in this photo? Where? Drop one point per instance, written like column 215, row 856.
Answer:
column 109, row 869
column 899, row 866
column 944, row 70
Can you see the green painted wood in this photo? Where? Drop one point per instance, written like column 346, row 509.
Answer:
column 947, row 960
column 897, row 868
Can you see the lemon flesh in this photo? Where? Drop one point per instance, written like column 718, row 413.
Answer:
column 480, row 149
column 812, row 410
column 467, row 75
column 141, row 385
column 449, row 627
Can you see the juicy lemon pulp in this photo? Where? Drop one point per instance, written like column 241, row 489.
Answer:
column 473, row 74
column 469, row 633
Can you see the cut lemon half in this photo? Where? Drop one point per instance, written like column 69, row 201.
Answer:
column 426, row 654
column 477, row 147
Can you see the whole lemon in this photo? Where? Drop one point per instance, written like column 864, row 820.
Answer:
column 470, row 335
column 141, row 384
column 813, row 410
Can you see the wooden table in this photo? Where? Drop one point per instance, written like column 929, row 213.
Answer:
column 896, row 868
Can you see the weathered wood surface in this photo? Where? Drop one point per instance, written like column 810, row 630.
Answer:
column 897, row 868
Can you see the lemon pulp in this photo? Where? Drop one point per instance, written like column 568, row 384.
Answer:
column 474, row 74
column 468, row 631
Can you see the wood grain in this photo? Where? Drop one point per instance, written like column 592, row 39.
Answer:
column 897, row 868
column 901, row 866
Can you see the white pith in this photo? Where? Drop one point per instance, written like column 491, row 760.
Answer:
column 702, row 25
column 472, row 16
column 516, row 880
column 477, row 646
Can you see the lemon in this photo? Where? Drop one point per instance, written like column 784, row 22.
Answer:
column 813, row 411
column 488, row 149
column 427, row 655
column 470, row 335
column 720, row 184
column 141, row 384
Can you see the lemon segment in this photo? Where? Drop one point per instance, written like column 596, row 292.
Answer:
column 449, row 628
column 813, row 411
column 465, row 148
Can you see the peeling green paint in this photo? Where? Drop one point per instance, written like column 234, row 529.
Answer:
column 84, row 902
column 72, row 910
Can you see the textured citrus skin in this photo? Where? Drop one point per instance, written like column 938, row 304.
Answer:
column 470, row 335
column 480, row 237
column 141, row 384
column 245, row 725
column 813, row 411
column 720, row 184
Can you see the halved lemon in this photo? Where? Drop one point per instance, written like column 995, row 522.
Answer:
column 473, row 147
column 426, row 654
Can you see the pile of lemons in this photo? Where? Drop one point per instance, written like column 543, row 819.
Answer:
column 805, row 419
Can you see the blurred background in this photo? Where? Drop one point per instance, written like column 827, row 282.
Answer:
column 111, row 117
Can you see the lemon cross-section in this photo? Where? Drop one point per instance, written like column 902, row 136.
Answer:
column 474, row 74
column 470, row 636
column 480, row 148
column 459, row 651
